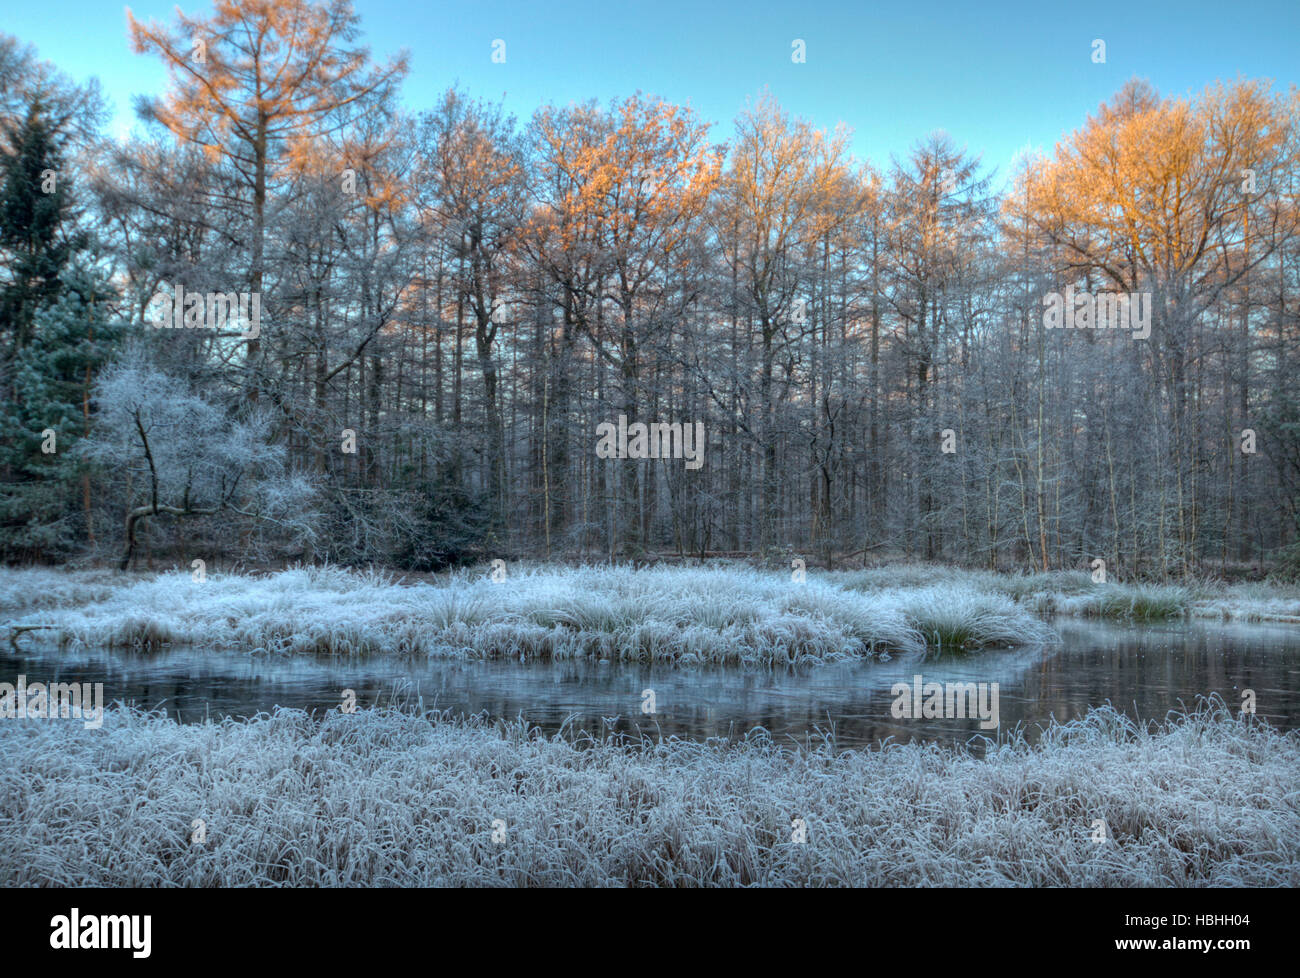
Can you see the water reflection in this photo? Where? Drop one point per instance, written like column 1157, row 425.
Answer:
column 1146, row 671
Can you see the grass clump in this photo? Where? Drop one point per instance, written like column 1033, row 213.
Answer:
column 961, row 620
column 1140, row 602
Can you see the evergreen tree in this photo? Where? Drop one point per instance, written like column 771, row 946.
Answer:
column 34, row 230
column 54, row 318
column 43, row 487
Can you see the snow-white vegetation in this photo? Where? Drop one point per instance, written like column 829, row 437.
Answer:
column 26, row 591
column 193, row 457
column 728, row 613
column 731, row 614
column 1075, row 593
column 389, row 797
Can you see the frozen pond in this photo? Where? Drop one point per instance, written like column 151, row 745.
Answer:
column 1144, row 670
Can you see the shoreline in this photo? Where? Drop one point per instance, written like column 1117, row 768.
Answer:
column 387, row 797
column 724, row 614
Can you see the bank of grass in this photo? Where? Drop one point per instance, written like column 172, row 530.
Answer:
column 1064, row 592
column 388, row 797
column 721, row 614
column 26, row 591
column 1254, row 601
column 1074, row 593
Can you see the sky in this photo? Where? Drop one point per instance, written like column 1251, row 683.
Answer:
column 999, row 76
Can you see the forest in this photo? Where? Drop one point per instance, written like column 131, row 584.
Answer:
column 412, row 481
column 295, row 319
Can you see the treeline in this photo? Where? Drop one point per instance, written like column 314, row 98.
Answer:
column 449, row 303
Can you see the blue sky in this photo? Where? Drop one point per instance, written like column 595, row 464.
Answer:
column 998, row 75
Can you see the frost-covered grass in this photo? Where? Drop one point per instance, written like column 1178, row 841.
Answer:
column 387, row 797
column 1060, row 592
column 1019, row 586
column 1140, row 602
column 25, row 590
column 955, row 618
column 1074, row 593
column 726, row 614
column 1259, row 601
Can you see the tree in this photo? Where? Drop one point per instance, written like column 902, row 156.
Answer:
column 474, row 171
column 186, row 457
column 778, row 197
column 627, row 192
column 255, row 84
column 56, row 326
column 1182, row 198
column 47, row 415
column 35, row 237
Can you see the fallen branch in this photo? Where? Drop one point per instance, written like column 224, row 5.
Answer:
column 16, row 630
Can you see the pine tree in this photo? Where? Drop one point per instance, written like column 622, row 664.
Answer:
column 40, row 471
column 33, row 207
column 54, row 320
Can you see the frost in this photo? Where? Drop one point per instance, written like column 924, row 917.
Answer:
column 389, row 797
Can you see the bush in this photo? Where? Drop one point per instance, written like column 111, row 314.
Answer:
column 440, row 526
